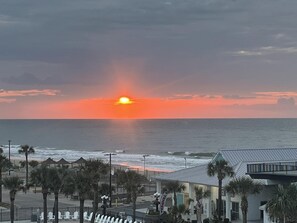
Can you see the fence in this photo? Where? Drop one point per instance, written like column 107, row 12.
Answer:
column 33, row 214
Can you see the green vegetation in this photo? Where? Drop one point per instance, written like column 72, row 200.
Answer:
column 4, row 165
column 200, row 194
column 33, row 163
column 41, row 177
column 78, row 183
column 27, row 150
column 13, row 184
column 57, row 178
column 174, row 187
column 133, row 184
column 221, row 169
column 282, row 206
column 243, row 186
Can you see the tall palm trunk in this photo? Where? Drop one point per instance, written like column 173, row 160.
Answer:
column 244, row 209
column 81, row 210
column 174, row 206
column 44, row 194
column 27, row 171
column 219, row 200
column 56, row 207
column 198, row 215
column 12, row 198
column 134, row 207
column 0, row 184
column 95, row 205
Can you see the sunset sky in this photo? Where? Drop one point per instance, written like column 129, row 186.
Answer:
column 172, row 58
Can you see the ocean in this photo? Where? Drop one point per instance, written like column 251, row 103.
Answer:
column 171, row 144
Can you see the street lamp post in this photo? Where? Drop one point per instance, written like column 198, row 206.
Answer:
column 145, row 155
column 110, row 191
column 9, row 141
column 104, row 204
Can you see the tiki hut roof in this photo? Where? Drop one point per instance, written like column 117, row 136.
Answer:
column 63, row 162
column 49, row 161
column 79, row 161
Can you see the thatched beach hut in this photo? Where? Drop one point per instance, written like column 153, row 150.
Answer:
column 80, row 162
column 49, row 162
column 63, row 162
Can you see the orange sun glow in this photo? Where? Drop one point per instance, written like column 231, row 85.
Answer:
column 124, row 101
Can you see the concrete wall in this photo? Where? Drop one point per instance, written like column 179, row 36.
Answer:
column 255, row 202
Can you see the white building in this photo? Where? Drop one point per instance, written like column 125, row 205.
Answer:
column 269, row 166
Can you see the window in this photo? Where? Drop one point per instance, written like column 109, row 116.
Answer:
column 235, row 211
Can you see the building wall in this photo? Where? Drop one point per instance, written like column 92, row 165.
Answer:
column 255, row 202
column 210, row 203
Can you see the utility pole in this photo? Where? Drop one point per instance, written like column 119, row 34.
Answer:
column 110, row 191
column 9, row 141
column 145, row 155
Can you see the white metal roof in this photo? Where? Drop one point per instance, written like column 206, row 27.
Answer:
column 196, row 175
column 259, row 155
column 238, row 159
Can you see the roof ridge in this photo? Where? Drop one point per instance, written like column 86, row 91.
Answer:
column 250, row 149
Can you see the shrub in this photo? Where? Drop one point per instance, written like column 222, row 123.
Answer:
column 206, row 220
column 226, row 220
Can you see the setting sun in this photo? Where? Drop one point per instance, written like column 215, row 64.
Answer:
column 124, row 101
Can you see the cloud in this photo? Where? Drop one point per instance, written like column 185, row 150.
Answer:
column 7, row 100
column 282, row 36
column 24, row 79
column 277, row 94
column 267, row 50
column 182, row 97
column 193, row 96
column 32, row 92
column 237, row 97
column 173, row 39
column 288, row 102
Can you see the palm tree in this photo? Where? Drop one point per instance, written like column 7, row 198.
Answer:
column 4, row 164
column 13, row 184
column 243, row 186
column 26, row 150
column 222, row 169
column 283, row 204
column 105, row 189
column 132, row 182
column 174, row 187
column 200, row 194
column 40, row 177
column 57, row 179
column 79, row 183
column 94, row 169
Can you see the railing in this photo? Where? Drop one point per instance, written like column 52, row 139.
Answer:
column 33, row 214
column 271, row 167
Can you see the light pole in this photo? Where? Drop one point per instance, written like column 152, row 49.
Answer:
column 9, row 141
column 110, row 191
column 145, row 155
column 104, row 205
